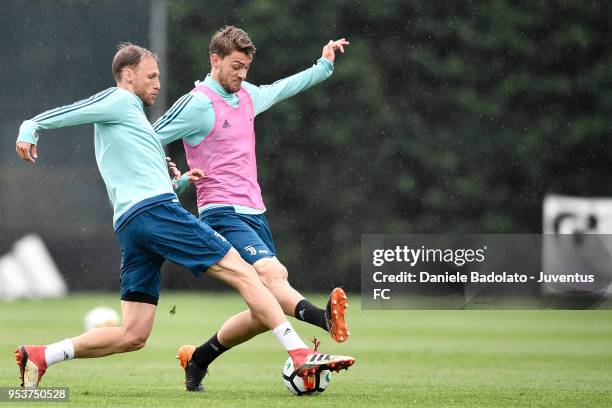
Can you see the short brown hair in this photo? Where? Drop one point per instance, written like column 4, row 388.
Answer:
column 230, row 39
column 129, row 55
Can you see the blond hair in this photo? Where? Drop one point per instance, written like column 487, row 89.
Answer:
column 129, row 55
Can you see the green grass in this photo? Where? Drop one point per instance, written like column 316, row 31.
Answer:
column 404, row 358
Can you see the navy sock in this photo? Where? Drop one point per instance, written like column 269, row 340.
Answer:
column 309, row 313
column 208, row 352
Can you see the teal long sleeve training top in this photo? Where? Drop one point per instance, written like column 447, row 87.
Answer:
column 129, row 154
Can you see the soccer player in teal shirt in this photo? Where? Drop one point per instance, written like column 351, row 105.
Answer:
column 149, row 224
column 216, row 123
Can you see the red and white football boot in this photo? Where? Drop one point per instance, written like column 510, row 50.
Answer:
column 32, row 365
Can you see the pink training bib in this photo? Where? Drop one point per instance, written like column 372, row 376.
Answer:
column 227, row 155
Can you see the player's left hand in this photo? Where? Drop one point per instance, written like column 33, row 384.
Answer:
column 195, row 175
column 329, row 51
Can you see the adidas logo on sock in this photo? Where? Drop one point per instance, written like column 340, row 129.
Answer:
column 66, row 356
column 301, row 313
column 226, row 124
column 287, row 331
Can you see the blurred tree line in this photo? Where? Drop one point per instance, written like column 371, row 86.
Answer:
column 449, row 116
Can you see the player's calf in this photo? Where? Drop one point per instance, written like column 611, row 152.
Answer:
column 132, row 342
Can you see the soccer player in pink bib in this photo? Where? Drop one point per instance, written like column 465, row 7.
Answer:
column 216, row 123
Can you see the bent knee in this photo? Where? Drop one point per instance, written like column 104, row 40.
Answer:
column 272, row 273
column 133, row 341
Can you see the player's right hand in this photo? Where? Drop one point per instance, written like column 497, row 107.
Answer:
column 27, row 151
column 172, row 169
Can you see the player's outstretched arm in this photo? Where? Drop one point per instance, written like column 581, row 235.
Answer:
column 267, row 95
column 105, row 106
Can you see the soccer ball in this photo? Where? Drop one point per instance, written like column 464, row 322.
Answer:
column 101, row 316
column 295, row 384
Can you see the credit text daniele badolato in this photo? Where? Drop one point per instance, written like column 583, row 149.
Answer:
column 458, row 257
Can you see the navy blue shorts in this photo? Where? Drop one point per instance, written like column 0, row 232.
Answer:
column 249, row 234
column 164, row 232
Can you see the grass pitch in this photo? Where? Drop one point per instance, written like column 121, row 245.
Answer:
column 404, row 358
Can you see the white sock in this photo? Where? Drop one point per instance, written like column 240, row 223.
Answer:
column 60, row 351
column 288, row 337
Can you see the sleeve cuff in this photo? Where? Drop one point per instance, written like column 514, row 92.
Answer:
column 326, row 62
column 181, row 184
column 27, row 132
column 327, row 65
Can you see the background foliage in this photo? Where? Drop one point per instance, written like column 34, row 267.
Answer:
column 441, row 116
